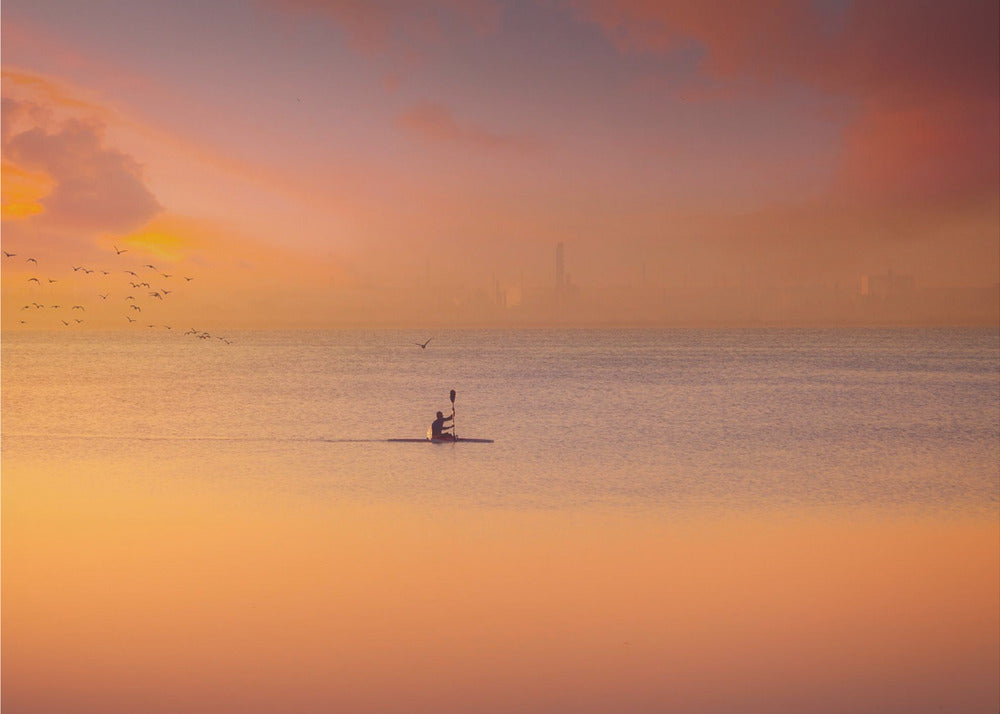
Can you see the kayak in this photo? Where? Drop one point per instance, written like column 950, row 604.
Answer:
column 449, row 440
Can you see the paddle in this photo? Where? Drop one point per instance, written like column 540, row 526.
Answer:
column 454, row 431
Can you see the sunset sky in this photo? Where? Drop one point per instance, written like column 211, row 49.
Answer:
column 323, row 162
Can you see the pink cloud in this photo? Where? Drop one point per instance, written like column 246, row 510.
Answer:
column 96, row 188
column 437, row 123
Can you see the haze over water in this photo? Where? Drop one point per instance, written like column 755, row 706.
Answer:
column 705, row 521
column 681, row 518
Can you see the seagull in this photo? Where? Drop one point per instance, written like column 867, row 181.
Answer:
column 167, row 292
column 78, row 307
column 129, row 318
column 35, row 280
column 136, row 307
column 65, row 323
column 188, row 279
column 131, row 273
column 55, row 307
column 76, row 268
column 103, row 297
column 88, row 271
column 31, row 260
column 78, row 320
column 157, row 295
column 424, row 345
column 52, row 280
column 130, row 297
column 119, row 252
column 150, row 266
column 166, row 275
column 8, row 255
column 105, row 272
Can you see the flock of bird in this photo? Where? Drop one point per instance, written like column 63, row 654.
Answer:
column 131, row 288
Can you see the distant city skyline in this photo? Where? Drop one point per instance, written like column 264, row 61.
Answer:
column 397, row 163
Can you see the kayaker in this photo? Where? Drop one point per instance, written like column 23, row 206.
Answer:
column 438, row 428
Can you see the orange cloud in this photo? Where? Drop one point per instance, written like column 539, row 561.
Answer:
column 49, row 91
column 925, row 152
column 22, row 192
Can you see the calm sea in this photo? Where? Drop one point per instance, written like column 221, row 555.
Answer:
column 745, row 419
column 704, row 521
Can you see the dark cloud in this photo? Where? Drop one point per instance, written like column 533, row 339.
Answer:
column 378, row 26
column 97, row 188
column 924, row 77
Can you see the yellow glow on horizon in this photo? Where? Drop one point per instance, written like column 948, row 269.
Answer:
column 165, row 238
column 21, row 192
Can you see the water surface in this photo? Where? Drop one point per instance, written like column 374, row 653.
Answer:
column 703, row 521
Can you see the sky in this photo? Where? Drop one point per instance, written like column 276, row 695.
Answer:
column 308, row 163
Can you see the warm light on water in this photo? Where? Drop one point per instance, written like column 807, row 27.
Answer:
column 187, row 527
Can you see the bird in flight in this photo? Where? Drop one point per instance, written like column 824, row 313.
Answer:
column 52, row 280
column 424, row 345
column 131, row 273
column 156, row 295
column 31, row 260
column 103, row 297
column 129, row 318
column 119, row 252
column 150, row 266
column 77, row 307
column 188, row 279
column 8, row 255
column 136, row 307
column 77, row 267
column 35, row 280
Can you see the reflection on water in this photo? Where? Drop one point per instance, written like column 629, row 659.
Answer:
column 669, row 521
column 126, row 595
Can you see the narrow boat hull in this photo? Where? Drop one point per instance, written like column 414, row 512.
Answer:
column 459, row 440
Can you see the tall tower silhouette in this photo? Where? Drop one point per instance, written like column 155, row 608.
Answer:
column 560, row 269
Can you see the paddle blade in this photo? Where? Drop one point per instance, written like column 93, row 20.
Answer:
column 452, row 396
